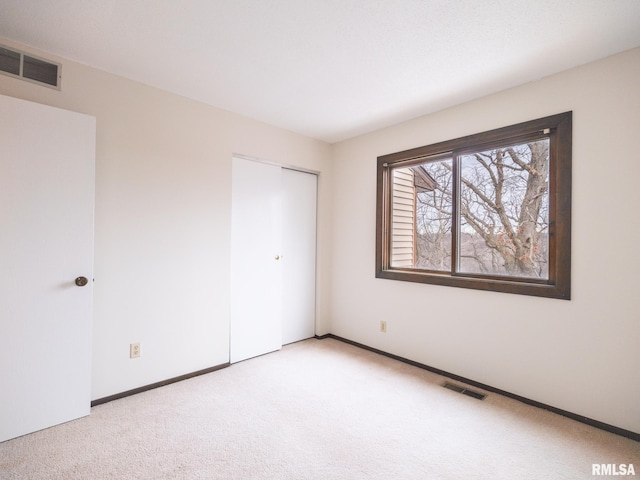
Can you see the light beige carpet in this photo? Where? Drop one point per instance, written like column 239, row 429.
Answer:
column 318, row 409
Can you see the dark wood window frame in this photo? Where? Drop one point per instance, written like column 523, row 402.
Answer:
column 558, row 128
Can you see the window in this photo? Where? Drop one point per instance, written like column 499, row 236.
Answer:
column 490, row 211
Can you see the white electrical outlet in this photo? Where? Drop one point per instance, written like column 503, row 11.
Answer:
column 383, row 326
column 134, row 350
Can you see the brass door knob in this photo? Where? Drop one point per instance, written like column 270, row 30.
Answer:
column 277, row 257
column 81, row 281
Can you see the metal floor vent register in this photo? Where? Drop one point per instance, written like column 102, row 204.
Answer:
column 464, row 391
column 27, row 67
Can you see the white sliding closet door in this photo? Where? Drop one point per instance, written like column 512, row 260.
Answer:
column 299, row 255
column 256, row 270
column 273, row 230
column 47, row 161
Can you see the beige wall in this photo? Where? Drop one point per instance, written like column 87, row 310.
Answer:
column 163, row 215
column 581, row 355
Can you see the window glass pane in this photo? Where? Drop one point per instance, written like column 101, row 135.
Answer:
column 504, row 211
column 422, row 215
column 402, row 219
column 434, row 209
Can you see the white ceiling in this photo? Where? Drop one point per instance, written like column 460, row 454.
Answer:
column 329, row 69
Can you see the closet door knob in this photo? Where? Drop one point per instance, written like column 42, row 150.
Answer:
column 81, row 281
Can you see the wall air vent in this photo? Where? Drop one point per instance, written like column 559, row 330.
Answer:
column 464, row 391
column 27, row 67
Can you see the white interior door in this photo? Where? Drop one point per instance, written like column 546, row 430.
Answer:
column 47, row 159
column 299, row 194
column 256, row 269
